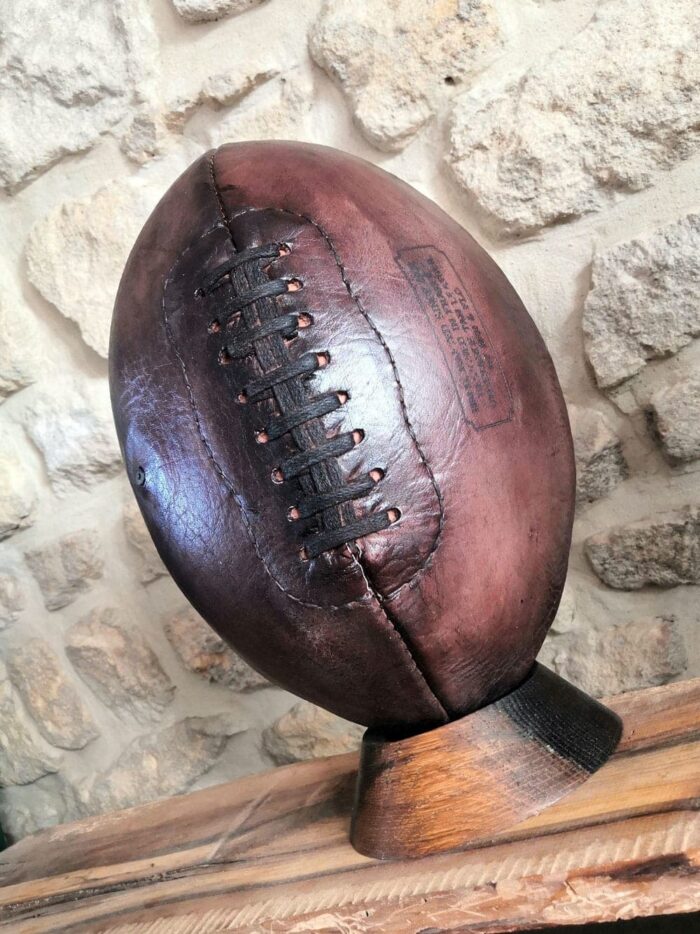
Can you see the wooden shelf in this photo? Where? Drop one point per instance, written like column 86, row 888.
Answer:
column 270, row 853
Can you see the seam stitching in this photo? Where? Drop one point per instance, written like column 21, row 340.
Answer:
column 402, row 400
column 222, row 474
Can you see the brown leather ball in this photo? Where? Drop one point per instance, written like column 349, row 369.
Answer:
column 344, row 432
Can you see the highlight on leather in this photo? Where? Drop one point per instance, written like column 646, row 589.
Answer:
column 344, row 432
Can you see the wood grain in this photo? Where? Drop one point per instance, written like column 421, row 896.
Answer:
column 482, row 774
column 270, row 853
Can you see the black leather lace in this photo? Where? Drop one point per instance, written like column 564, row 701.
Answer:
column 326, row 502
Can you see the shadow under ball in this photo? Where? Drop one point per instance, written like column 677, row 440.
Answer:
column 349, row 444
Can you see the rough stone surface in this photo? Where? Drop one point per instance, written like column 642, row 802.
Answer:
column 663, row 550
column 307, row 732
column 396, row 61
column 280, row 110
column 676, row 419
column 565, row 620
column 643, row 302
column 25, row 809
column 62, row 87
column 12, row 598
column 202, row 651
column 621, row 658
column 217, row 91
column 600, row 462
column 49, row 696
column 204, row 11
column 117, row 663
column 22, row 758
column 601, row 115
column 165, row 763
column 65, row 567
column 74, row 431
column 150, row 565
column 76, row 255
column 17, row 345
column 17, row 495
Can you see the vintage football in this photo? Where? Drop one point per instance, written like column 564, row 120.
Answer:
column 345, row 434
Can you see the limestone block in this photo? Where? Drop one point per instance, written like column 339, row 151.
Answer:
column 117, row 663
column 307, row 732
column 205, row 11
column 17, row 494
column 621, row 658
column 164, row 763
column 218, row 91
column 18, row 353
column 663, row 550
column 202, row 651
column 601, row 115
column 25, row 809
column 676, row 416
column 12, row 598
column 643, row 302
column 150, row 565
column 280, row 110
column 600, row 463
column 396, row 61
column 65, row 567
column 68, row 73
column 73, row 427
column 22, row 759
column 49, row 696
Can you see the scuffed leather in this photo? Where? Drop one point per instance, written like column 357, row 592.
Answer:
column 448, row 379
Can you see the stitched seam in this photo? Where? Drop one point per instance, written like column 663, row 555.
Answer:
column 402, row 401
column 402, row 638
column 210, row 454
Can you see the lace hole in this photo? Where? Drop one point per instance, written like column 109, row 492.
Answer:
column 358, row 435
column 304, row 320
column 225, row 357
column 343, row 397
column 262, row 437
column 293, row 513
column 376, row 474
column 242, row 397
column 323, row 359
column 304, row 553
column 284, row 249
column 140, row 476
column 393, row 515
column 294, row 285
column 214, row 326
column 277, row 475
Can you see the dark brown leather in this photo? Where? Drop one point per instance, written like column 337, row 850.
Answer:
column 447, row 377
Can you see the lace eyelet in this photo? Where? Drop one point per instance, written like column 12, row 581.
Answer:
column 393, row 515
column 277, row 476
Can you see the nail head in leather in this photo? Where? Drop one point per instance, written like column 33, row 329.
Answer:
column 344, row 432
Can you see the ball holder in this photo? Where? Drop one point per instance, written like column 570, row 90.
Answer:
column 479, row 775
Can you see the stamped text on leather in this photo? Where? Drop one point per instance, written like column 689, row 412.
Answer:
column 479, row 380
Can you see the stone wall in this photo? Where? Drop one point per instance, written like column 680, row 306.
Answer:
column 562, row 133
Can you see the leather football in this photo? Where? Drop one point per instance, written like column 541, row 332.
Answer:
column 345, row 434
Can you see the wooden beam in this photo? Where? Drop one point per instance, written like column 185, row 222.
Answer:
column 270, row 853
